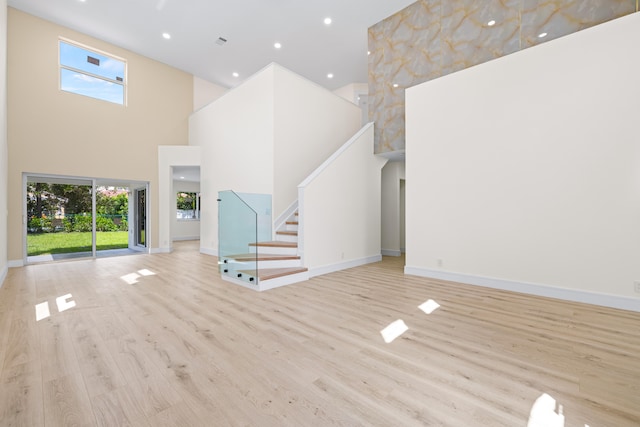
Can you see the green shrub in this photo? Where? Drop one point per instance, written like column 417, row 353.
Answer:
column 82, row 223
column 40, row 225
column 105, row 224
column 67, row 223
column 124, row 225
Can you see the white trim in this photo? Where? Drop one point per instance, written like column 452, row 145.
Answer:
column 14, row 263
column 575, row 295
column 334, row 156
column 3, row 275
column 319, row 271
column 184, row 238
column 208, row 251
column 160, row 251
column 391, row 252
column 284, row 216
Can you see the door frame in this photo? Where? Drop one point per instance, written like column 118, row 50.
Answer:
column 134, row 214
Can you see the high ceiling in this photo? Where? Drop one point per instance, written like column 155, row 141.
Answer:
column 251, row 28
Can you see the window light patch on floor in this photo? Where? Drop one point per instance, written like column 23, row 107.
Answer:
column 394, row 330
column 132, row 278
column 543, row 413
column 429, row 306
column 145, row 272
column 42, row 311
column 65, row 303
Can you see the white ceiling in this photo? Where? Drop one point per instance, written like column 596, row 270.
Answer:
column 309, row 47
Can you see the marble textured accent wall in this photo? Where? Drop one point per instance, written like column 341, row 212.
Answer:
column 432, row 38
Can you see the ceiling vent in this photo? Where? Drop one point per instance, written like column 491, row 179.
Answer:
column 221, row 41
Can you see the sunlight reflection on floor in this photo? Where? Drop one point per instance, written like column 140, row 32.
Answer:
column 394, row 330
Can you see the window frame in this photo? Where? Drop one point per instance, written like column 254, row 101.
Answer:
column 123, row 83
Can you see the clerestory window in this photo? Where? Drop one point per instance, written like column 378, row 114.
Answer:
column 92, row 73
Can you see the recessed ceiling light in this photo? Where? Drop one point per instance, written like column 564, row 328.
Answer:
column 542, row 35
column 395, row 85
column 330, row 75
column 327, row 21
column 167, row 36
column 368, row 52
column 491, row 23
column 235, row 74
column 182, row 177
column 277, row 45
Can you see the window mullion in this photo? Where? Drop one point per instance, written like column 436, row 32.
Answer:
column 87, row 73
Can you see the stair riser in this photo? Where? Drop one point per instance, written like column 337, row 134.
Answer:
column 291, row 227
column 271, row 283
column 273, row 250
column 286, row 238
column 283, row 281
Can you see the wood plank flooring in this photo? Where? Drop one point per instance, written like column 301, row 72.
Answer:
column 161, row 340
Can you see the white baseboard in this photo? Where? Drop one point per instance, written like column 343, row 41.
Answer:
column 391, row 252
column 319, row 271
column 13, row 263
column 3, row 275
column 180, row 239
column 594, row 298
column 208, row 251
column 160, row 251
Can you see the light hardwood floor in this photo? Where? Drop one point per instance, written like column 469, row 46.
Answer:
column 177, row 346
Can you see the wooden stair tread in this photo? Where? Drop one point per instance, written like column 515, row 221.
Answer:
column 276, row 244
column 287, row 233
column 261, row 257
column 274, row 273
column 293, row 222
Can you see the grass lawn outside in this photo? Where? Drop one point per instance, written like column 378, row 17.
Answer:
column 63, row 243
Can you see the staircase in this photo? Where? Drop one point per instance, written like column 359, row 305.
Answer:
column 268, row 264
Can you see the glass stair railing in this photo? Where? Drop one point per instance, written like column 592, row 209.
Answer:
column 243, row 220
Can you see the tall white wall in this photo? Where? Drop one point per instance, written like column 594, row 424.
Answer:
column 392, row 218
column 310, row 124
column 340, row 208
column 351, row 91
column 265, row 136
column 524, row 172
column 236, row 134
column 3, row 141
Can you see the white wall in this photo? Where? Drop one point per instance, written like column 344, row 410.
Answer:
column 524, row 172
column 169, row 156
column 236, row 135
column 311, row 123
column 3, row 141
column 184, row 229
column 392, row 220
column 351, row 91
column 340, row 208
column 205, row 92
column 265, row 136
